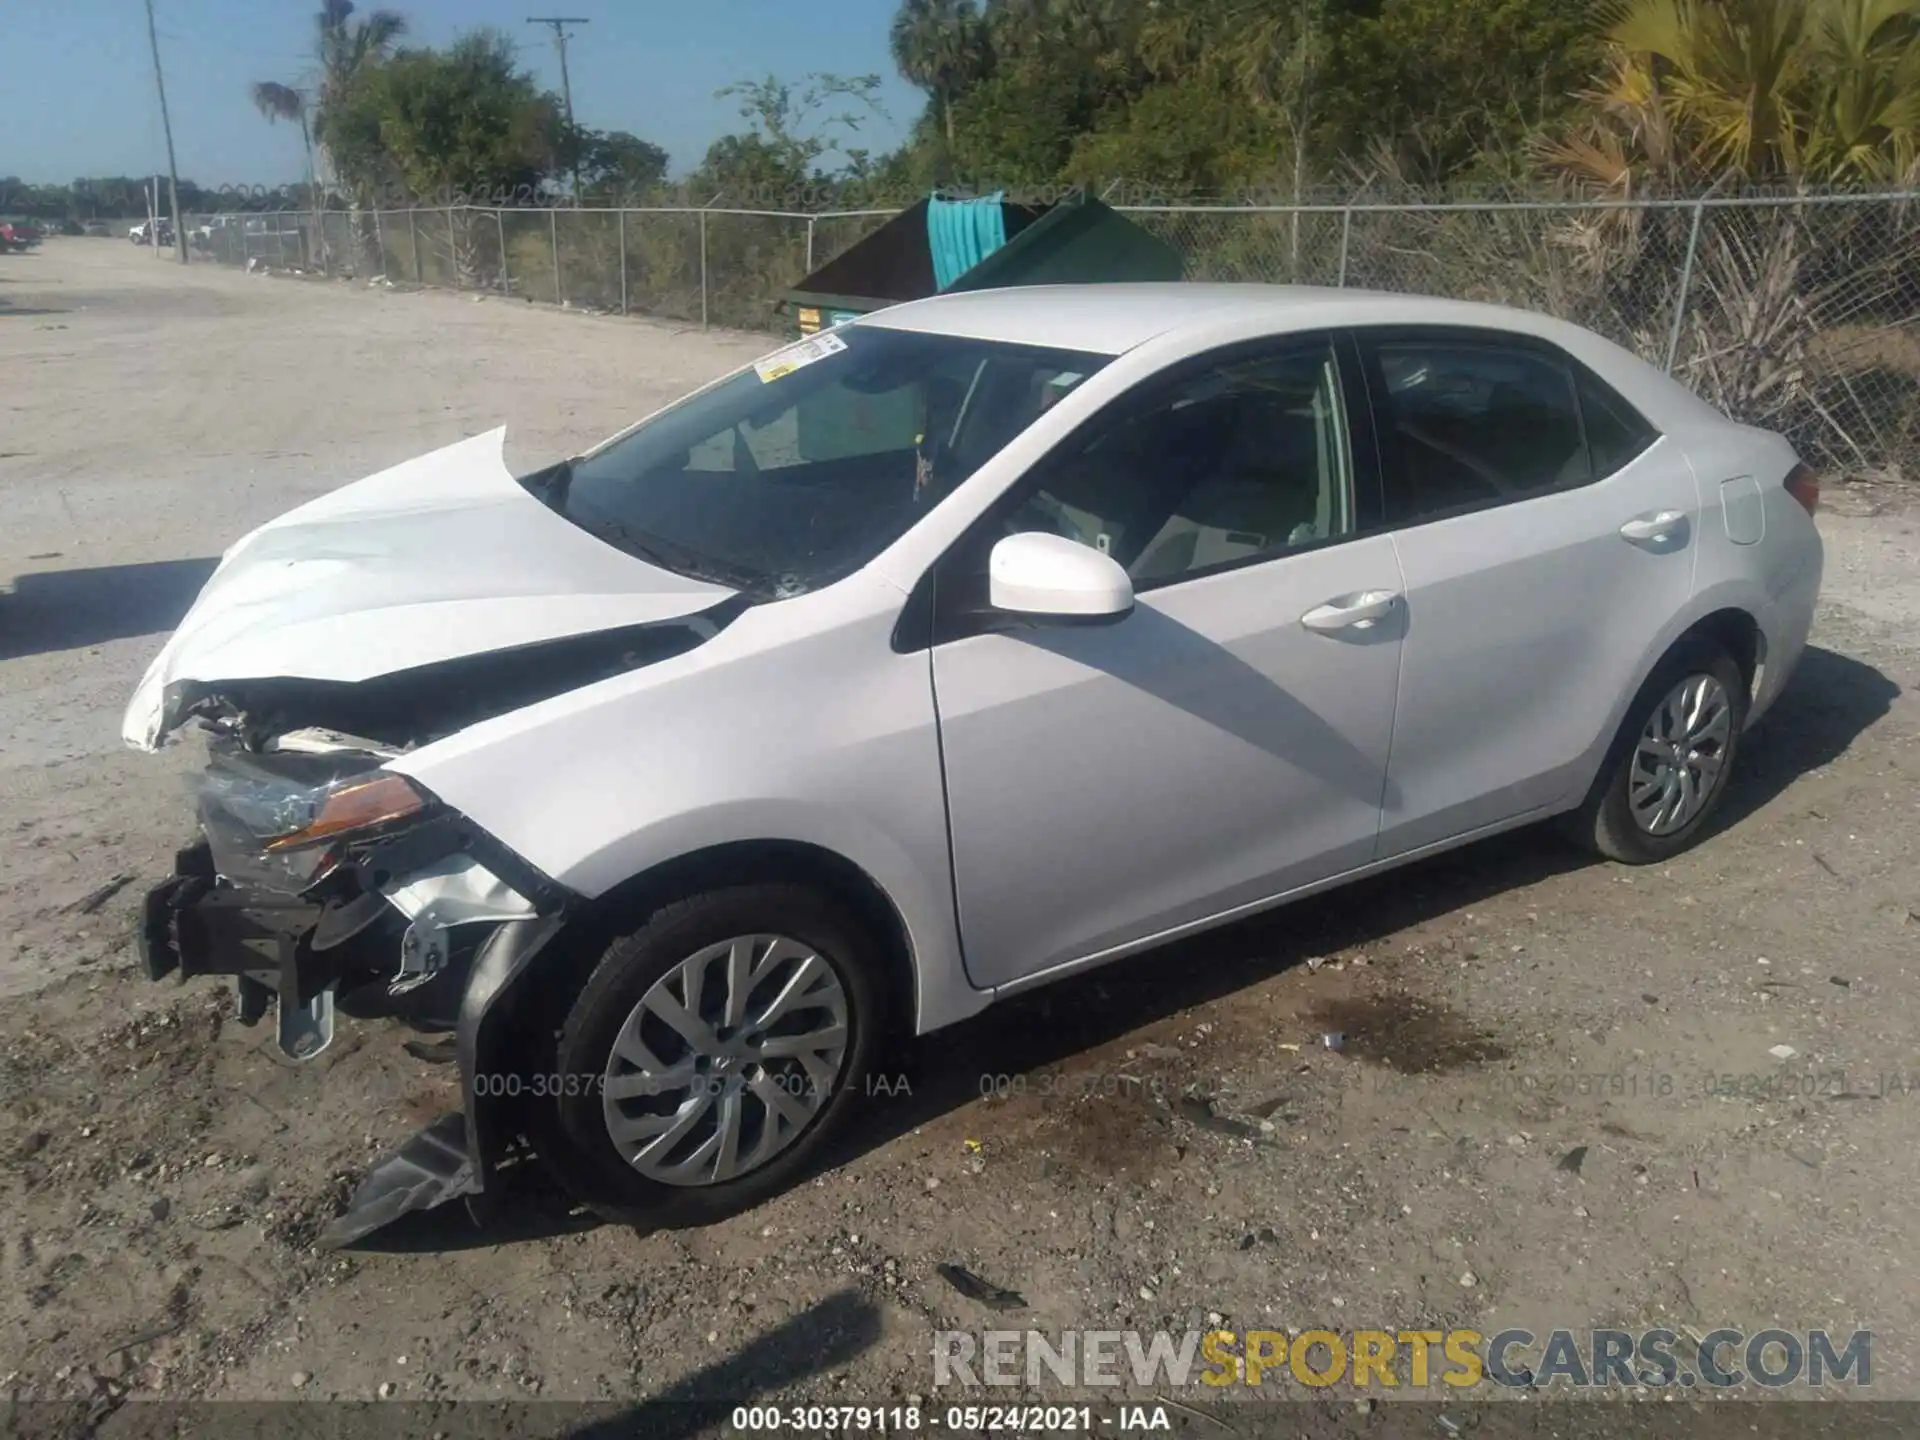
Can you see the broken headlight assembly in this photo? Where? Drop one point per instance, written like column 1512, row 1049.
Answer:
column 285, row 822
column 318, row 872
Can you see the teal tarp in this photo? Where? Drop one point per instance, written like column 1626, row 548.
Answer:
column 962, row 233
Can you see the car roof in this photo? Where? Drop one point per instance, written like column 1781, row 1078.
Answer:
column 1110, row 319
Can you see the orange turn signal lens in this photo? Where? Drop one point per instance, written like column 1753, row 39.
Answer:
column 362, row 805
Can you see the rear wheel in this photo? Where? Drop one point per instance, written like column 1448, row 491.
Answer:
column 1670, row 765
column 711, row 1053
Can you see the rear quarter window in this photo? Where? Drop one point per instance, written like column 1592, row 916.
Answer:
column 1617, row 434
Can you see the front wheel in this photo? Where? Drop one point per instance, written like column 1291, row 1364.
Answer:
column 1671, row 763
column 716, row 1048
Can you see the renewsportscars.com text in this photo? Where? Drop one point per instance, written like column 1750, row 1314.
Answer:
column 1415, row 1359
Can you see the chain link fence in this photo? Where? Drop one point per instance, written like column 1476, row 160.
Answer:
column 1798, row 313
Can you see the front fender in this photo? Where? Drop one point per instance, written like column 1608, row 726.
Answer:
column 797, row 723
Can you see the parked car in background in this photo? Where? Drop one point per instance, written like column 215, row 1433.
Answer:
column 966, row 646
column 143, row 233
column 17, row 235
column 95, row 227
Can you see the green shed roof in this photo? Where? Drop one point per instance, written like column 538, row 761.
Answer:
column 1078, row 241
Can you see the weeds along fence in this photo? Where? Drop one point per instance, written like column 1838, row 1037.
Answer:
column 1799, row 313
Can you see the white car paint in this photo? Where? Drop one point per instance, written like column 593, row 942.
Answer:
column 1031, row 803
column 1028, row 574
column 438, row 557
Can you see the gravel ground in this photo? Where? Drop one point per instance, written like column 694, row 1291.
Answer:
column 1173, row 1142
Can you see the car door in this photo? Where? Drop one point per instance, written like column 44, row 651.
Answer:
column 1546, row 534
column 1225, row 741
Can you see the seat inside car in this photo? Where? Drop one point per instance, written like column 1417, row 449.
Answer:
column 1262, row 493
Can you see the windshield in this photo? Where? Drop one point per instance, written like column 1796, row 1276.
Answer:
column 806, row 465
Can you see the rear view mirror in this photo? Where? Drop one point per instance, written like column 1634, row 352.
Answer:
column 1060, row 579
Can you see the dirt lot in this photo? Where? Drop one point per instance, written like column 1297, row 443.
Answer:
column 1176, row 1143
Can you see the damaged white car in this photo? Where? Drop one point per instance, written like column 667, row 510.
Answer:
column 955, row 650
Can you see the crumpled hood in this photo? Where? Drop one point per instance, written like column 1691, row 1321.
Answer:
column 438, row 558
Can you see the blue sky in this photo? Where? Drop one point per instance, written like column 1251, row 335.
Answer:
column 77, row 95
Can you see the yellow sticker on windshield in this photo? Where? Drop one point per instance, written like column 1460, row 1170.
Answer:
column 798, row 356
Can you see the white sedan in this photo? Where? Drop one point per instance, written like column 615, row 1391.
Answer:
column 956, row 650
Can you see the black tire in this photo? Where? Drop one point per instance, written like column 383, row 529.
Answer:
column 1605, row 823
column 570, row 1130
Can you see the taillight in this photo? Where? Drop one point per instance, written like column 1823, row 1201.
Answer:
column 1804, row 486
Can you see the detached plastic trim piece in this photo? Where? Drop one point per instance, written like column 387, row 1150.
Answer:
column 431, row 1168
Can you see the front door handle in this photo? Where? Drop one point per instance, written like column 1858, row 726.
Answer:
column 1659, row 525
column 1352, row 612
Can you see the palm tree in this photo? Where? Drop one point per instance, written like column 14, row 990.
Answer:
column 1706, row 93
column 1768, row 90
column 344, row 48
column 284, row 102
column 1867, row 69
column 938, row 45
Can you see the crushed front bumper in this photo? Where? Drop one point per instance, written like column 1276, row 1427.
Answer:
column 277, row 947
column 295, row 952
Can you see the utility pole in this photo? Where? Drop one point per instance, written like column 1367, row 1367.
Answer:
column 166, row 124
column 560, row 38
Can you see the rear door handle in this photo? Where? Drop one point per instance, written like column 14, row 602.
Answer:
column 1660, row 525
column 1352, row 612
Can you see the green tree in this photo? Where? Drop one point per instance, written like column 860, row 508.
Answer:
column 283, row 102
column 1698, row 91
column 797, row 138
column 939, row 45
column 1435, row 85
column 1274, row 93
column 1057, row 74
column 345, row 48
column 614, row 165
column 461, row 121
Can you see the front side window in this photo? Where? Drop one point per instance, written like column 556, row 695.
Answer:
column 1468, row 425
column 1241, row 461
column 802, row 468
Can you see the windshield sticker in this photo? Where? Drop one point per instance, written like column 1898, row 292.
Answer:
column 798, row 356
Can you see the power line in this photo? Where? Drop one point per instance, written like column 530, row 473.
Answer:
column 166, row 124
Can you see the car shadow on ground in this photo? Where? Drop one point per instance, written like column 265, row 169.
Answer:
column 819, row 1339
column 1832, row 700
column 53, row 610
column 9, row 307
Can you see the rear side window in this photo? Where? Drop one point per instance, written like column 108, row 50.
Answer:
column 1468, row 425
column 1617, row 434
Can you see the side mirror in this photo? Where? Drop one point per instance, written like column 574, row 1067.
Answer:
column 1056, row 578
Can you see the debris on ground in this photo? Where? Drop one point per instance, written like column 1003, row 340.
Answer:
column 1198, row 1110
column 993, row 1296
column 94, row 899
